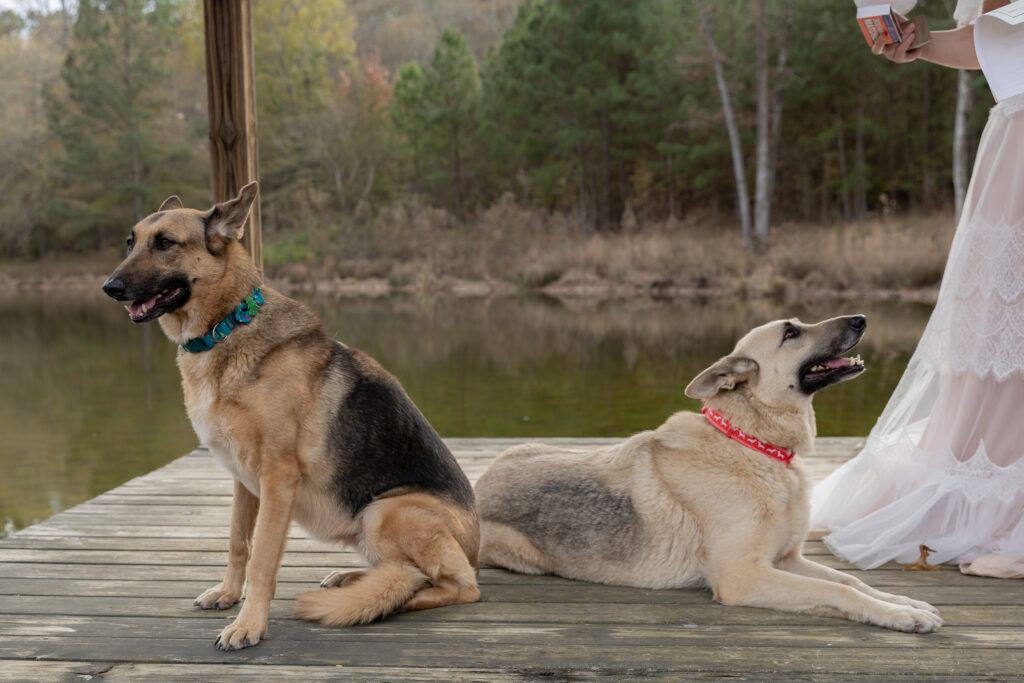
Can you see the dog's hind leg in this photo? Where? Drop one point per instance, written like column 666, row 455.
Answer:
column 798, row 564
column 452, row 577
column 420, row 530
column 339, row 579
column 379, row 592
column 419, row 564
column 503, row 546
column 244, row 509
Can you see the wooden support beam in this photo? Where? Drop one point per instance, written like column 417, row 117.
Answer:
column 231, row 101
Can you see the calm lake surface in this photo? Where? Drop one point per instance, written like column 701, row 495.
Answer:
column 89, row 400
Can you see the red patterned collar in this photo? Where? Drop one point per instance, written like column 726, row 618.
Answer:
column 752, row 442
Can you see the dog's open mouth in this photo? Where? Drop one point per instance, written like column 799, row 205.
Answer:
column 821, row 373
column 167, row 300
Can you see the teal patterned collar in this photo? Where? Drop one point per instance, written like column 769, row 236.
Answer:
column 242, row 315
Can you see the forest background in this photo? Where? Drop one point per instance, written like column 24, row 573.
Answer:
column 562, row 145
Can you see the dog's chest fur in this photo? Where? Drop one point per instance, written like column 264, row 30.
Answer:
column 203, row 395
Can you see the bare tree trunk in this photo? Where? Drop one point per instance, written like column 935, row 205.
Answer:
column 742, row 197
column 780, row 87
column 582, row 191
column 844, row 190
column 457, row 172
column 926, row 101
column 960, row 152
column 762, row 196
column 860, row 200
column 671, row 187
column 606, row 174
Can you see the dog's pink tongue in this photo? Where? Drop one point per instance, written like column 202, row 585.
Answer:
column 837, row 363
column 135, row 309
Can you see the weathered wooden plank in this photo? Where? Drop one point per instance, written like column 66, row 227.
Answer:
column 706, row 613
column 23, row 670
column 728, row 656
column 826, row 634
column 940, row 596
column 143, row 585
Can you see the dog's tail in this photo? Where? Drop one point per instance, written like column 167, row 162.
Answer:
column 376, row 594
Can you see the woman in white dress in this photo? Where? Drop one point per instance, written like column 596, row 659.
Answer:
column 944, row 465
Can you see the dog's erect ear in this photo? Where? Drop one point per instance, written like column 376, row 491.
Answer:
column 171, row 203
column 227, row 219
column 723, row 375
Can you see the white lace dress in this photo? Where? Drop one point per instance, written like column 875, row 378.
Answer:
column 944, row 465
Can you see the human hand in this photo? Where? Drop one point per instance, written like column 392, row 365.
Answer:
column 898, row 52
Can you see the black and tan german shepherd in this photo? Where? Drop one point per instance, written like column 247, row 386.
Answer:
column 310, row 429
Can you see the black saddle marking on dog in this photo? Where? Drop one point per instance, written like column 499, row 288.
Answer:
column 575, row 513
column 381, row 441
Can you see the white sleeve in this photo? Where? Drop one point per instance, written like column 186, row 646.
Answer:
column 967, row 12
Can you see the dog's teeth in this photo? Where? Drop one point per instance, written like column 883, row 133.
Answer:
column 144, row 309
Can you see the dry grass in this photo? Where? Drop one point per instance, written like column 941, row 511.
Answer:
column 508, row 246
column 511, row 248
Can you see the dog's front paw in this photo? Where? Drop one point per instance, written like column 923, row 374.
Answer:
column 240, row 634
column 218, row 597
column 916, row 604
column 912, row 620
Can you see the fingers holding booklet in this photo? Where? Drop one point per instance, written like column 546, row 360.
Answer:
column 886, row 31
column 901, row 52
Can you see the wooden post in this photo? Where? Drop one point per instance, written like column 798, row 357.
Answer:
column 231, row 102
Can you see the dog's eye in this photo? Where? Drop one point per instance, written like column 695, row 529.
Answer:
column 163, row 244
column 790, row 333
column 130, row 243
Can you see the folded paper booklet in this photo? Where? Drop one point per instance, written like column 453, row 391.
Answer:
column 999, row 41
column 878, row 20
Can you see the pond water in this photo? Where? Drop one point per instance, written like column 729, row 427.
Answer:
column 89, row 400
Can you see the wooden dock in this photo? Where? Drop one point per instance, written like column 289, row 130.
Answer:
column 104, row 591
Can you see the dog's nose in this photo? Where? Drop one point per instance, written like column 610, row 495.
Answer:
column 114, row 287
column 858, row 322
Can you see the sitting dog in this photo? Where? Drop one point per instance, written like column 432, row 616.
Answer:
column 310, row 429
column 717, row 500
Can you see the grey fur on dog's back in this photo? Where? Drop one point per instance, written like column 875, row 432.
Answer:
column 572, row 512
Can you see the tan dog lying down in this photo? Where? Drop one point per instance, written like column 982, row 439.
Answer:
column 687, row 506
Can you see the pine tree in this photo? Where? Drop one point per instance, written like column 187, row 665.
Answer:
column 437, row 109
column 108, row 119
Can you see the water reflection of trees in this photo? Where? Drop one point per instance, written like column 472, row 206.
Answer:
column 586, row 367
column 510, row 332
column 87, row 403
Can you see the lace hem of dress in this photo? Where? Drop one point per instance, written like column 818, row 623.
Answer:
column 894, row 496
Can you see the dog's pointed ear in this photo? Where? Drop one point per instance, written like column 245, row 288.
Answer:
column 227, row 219
column 723, row 375
column 171, row 203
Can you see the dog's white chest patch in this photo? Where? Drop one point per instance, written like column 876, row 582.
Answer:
column 207, row 428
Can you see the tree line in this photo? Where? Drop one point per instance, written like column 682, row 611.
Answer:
column 618, row 113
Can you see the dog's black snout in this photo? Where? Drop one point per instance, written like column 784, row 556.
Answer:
column 858, row 322
column 114, row 287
